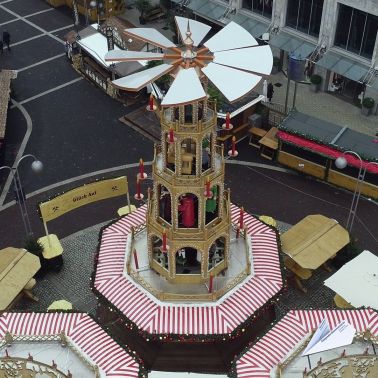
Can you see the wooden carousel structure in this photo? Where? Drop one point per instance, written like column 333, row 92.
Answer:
column 188, row 219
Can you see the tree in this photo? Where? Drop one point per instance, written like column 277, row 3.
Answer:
column 143, row 6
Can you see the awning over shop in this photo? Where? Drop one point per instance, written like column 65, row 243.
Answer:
column 207, row 9
column 292, row 44
column 256, row 28
column 314, row 240
column 343, row 66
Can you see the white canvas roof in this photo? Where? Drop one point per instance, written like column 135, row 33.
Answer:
column 96, row 45
column 357, row 281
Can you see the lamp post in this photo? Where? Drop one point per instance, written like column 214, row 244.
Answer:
column 37, row 167
column 94, row 4
column 341, row 163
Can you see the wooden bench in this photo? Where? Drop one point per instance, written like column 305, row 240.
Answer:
column 256, row 134
column 269, row 144
column 299, row 272
column 154, row 14
column 239, row 131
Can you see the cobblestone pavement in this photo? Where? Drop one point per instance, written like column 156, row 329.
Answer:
column 323, row 105
column 72, row 283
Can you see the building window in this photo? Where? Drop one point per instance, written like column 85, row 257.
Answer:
column 305, row 15
column 262, row 7
column 356, row 31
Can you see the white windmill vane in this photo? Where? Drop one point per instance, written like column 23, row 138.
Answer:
column 232, row 60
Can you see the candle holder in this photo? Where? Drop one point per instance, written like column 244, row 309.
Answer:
column 233, row 153
column 142, row 176
column 208, row 194
column 150, row 108
column 230, row 126
column 171, row 139
column 138, row 196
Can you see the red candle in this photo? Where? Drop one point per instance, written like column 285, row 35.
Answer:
column 136, row 259
column 164, row 240
column 211, row 283
column 208, row 188
column 138, row 187
column 233, row 145
column 151, row 102
column 227, row 120
column 141, row 168
column 241, row 218
column 171, row 135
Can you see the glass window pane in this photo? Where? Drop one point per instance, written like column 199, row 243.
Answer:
column 258, row 6
column 304, row 16
column 247, row 4
column 356, row 31
column 343, row 22
column 268, row 4
column 370, row 36
column 316, row 17
column 292, row 13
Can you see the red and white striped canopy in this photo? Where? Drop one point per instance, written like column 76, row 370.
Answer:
column 154, row 316
column 277, row 344
column 86, row 334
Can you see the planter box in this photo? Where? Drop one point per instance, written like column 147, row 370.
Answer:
column 365, row 111
column 314, row 87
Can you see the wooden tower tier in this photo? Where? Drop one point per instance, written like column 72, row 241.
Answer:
column 188, row 217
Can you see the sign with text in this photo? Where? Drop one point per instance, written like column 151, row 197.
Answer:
column 83, row 195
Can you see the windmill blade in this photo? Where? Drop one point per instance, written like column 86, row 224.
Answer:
column 198, row 29
column 130, row 56
column 231, row 82
column 185, row 89
column 232, row 36
column 257, row 59
column 150, row 35
column 137, row 81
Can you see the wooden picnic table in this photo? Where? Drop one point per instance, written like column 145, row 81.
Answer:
column 310, row 243
column 17, row 268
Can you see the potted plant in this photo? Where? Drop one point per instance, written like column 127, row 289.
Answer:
column 276, row 64
column 143, row 6
column 315, row 82
column 367, row 105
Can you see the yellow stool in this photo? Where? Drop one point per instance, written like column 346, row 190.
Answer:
column 340, row 302
column 268, row 220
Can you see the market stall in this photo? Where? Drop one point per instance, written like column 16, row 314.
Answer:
column 61, row 345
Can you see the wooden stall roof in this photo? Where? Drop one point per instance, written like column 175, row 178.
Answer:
column 329, row 134
column 313, row 240
column 5, row 78
column 17, row 267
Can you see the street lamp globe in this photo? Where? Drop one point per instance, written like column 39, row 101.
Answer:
column 93, row 3
column 37, row 166
column 341, row 162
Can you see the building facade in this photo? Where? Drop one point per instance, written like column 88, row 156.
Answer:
column 337, row 38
